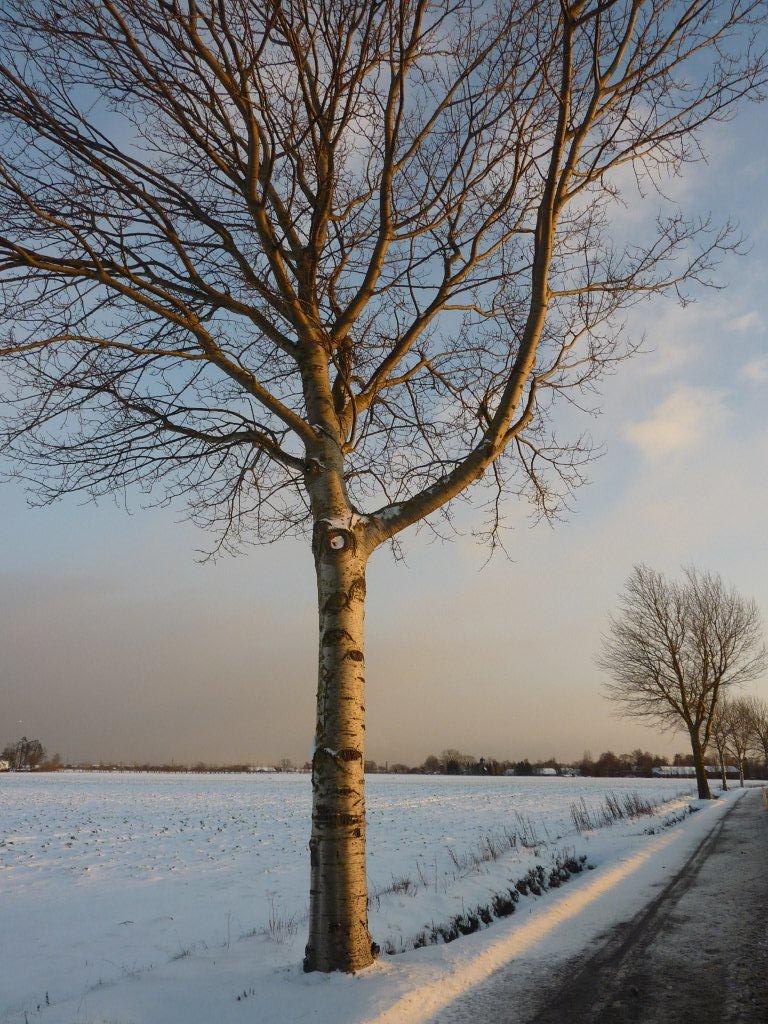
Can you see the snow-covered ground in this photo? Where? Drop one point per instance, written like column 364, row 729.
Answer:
column 134, row 898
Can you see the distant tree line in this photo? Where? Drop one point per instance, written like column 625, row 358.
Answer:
column 636, row 763
column 30, row 755
column 454, row 762
column 739, row 739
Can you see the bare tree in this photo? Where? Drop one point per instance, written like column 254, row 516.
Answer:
column 24, row 753
column 326, row 268
column 741, row 732
column 720, row 735
column 675, row 647
column 454, row 762
column 758, row 710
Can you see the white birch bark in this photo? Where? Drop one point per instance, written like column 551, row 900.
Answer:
column 338, row 923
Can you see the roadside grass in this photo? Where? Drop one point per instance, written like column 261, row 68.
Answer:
column 615, row 807
column 535, row 882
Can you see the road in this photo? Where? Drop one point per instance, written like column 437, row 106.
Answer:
column 696, row 954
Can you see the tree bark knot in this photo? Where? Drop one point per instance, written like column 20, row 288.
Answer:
column 341, row 599
column 333, row 541
column 331, row 637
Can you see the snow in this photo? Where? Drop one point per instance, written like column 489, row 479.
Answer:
column 135, row 898
column 348, row 522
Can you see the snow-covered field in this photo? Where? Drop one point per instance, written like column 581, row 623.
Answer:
column 119, row 890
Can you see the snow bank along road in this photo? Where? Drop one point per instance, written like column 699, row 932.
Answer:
column 697, row 952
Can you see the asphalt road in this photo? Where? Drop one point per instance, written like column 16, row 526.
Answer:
column 696, row 954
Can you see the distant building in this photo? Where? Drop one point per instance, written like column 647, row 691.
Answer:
column 545, row 771
column 571, row 772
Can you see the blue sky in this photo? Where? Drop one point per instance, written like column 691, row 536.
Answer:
column 117, row 642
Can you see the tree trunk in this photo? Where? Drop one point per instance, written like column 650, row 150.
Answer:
column 725, row 777
column 338, row 918
column 741, row 773
column 698, row 760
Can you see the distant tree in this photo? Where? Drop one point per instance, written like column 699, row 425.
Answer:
column 371, row 767
column 642, row 761
column 398, row 768
column 720, row 736
column 24, row 753
column 758, row 708
column 454, row 762
column 607, row 765
column 682, row 760
column 285, row 764
column 523, row 767
column 35, row 753
column 431, row 763
column 740, row 733
column 675, row 647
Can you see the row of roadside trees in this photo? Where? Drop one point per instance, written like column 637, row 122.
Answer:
column 740, row 732
column 675, row 650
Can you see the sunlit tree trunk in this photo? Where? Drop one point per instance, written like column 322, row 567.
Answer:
column 338, row 922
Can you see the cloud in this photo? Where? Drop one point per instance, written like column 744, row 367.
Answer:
column 678, row 423
column 756, row 371
column 748, row 321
